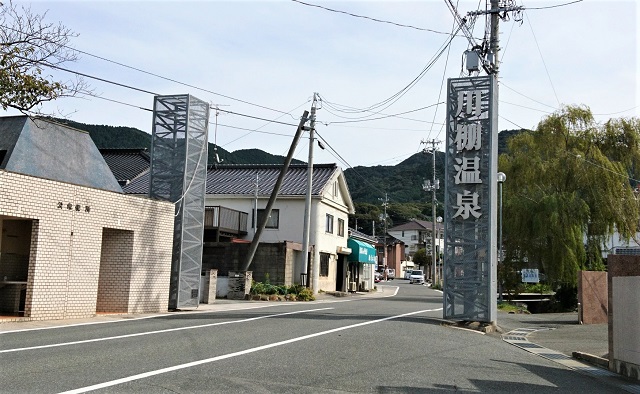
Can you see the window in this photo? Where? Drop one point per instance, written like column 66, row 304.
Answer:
column 329, row 224
column 324, row 264
column 335, row 188
column 414, row 237
column 340, row 227
column 274, row 218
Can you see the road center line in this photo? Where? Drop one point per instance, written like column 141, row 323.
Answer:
column 158, row 331
column 235, row 354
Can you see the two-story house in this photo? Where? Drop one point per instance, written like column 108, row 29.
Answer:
column 416, row 234
column 236, row 197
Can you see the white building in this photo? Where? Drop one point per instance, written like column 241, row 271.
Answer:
column 234, row 192
column 416, row 234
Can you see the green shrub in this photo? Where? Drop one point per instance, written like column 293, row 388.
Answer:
column 306, row 295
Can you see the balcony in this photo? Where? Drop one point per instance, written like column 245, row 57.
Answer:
column 228, row 222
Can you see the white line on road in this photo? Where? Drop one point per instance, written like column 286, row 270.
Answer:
column 235, row 354
column 157, row 331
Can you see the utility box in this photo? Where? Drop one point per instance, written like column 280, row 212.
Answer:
column 473, row 61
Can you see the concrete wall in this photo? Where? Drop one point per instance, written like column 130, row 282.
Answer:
column 624, row 315
column 275, row 259
column 66, row 245
column 626, row 332
column 593, row 297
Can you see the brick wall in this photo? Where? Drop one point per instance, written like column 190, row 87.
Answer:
column 115, row 271
column 593, row 297
column 67, row 240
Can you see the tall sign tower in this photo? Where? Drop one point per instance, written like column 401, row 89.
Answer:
column 178, row 174
column 470, row 199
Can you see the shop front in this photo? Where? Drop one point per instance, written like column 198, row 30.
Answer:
column 362, row 263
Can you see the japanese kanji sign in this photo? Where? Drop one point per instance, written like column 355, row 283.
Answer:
column 470, row 199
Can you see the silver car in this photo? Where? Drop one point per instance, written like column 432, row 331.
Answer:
column 417, row 276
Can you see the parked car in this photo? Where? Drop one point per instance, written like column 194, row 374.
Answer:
column 377, row 277
column 407, row 274
column 417, row 276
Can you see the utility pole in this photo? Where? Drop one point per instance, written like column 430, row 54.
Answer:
column 433, row 187
column 307, row 206
column 385, row 204
column 274, row 194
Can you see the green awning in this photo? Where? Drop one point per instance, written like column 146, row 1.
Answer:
column 361, row 252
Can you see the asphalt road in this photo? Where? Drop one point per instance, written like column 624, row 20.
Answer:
column 359, row 345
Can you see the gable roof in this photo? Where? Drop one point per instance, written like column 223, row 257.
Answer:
column 240, row 180
column 416, row 225
column 46, row 149
column 126, row 163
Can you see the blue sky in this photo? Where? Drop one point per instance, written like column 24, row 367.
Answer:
column 276, row 54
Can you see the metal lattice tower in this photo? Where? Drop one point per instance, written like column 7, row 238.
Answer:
column 470, row 200
column 179, row 174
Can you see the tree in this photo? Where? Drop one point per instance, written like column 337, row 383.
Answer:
column 421, row 259
column 28, row 45
column 569, row 182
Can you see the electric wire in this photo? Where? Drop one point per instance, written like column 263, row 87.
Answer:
column 543, row 62
column 382, row 117
column 219, row 124
column 156, row 94
column 369, row 18
column 444, row 74
column 384, row 104
column 554, row 6
column 501, row 82
column 155, row 75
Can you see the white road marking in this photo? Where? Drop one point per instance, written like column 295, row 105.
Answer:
column 172, row 314
column 157, row 331
column 235, row 354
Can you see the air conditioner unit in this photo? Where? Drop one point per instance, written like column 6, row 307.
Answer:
column 352, row 287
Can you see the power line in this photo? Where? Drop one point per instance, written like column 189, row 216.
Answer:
column 382, row 117
column 543, row 62
column 157, row 75
column 157, row 94
column 553, row 6
column 395, row 97
column 369, row 18
column 525, row 96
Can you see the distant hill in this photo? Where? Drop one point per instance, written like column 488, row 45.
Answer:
column 128, row 137
column 403, row 182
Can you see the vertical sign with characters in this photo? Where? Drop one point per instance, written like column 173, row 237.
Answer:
column 470, row 199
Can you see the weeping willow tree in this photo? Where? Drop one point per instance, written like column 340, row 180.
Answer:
column 570, row 187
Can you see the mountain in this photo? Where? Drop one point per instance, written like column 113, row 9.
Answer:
column 128, row 137
column 402, row 182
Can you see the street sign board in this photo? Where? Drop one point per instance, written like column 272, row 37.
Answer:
column 470, row 199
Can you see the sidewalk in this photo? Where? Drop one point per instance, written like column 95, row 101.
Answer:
column 563, row 332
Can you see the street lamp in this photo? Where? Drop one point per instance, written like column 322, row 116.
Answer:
column 501, row 179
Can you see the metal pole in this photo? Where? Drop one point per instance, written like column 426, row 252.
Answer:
column 501, row 179
column 433, row 215
column 494, row 40
column 307, row 201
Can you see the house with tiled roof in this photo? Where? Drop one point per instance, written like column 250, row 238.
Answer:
column 416, row 234
column 126, row 164
column 236, row 197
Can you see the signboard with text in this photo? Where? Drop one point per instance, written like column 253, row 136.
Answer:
column 530, row 275
column 470, row 199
